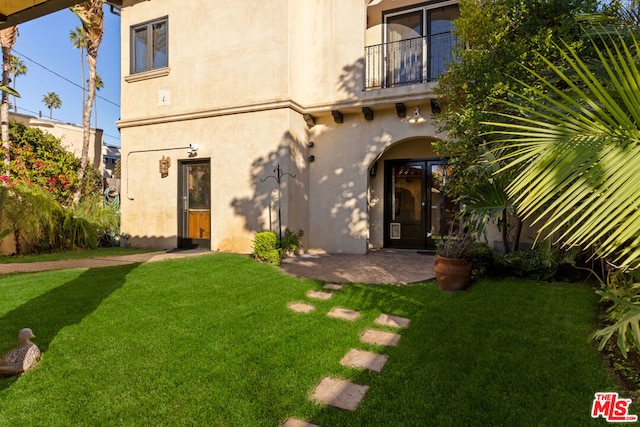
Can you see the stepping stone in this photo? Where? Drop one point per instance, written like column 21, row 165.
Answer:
column 393, row 321
column 372, row 336
column 300, row 307
column 332, row 286
column 342, row 394
column 343, row 313
column 294, row 422
column 364, row 359
column 319, row 295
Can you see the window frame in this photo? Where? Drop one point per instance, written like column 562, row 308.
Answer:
column 148, row 25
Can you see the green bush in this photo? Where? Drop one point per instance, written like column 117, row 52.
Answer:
column 290, row 241
column 266, row 247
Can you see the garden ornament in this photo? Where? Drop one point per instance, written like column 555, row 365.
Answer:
column 21, row 358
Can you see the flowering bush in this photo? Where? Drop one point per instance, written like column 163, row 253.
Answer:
column 38, row 158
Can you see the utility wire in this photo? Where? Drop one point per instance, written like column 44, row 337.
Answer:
column 62, row 77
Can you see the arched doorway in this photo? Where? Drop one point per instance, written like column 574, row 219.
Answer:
column 410, row 208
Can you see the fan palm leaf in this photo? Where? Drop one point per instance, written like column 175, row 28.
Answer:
column 576, row 147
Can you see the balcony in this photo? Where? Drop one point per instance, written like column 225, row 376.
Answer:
column 410, row 61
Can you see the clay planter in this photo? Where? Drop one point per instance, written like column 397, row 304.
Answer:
column 452, row 274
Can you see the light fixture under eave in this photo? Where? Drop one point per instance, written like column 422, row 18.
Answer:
column 417, row 118
column 193, row 150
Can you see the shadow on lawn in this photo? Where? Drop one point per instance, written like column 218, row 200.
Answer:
column 62, row 306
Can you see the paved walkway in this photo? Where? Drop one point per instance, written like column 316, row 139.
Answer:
column 97, row 262
column 398, row 266
column 380, row 266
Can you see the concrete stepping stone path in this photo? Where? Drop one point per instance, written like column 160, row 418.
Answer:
column 343, row 313
column 340, row 393
column 319, row 295
column 332, row 286
column 372, row 336
column 392, row 321
column 364, row 359
column 300, row 307
column 294, row 422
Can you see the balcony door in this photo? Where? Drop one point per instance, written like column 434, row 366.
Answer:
column 417, row 210
column 194, row 205
column 418, row 42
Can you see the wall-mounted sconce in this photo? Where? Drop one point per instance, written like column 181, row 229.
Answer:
column 337, row 116
column 417, row 118
column 368, row 113
column 435, row 106
column 193, row 150
column 312, row 158
column 311, row 144
column 165, row 163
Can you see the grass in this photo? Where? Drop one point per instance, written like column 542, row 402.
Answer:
column 67, row 255
column 209, row 341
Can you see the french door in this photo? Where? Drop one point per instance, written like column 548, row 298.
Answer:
column 417, row 210
column 419, row 42
column 194, row 205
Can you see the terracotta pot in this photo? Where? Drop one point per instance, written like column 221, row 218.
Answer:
column 452, row 274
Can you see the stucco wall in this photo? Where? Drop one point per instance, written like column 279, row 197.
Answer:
column 340, row 176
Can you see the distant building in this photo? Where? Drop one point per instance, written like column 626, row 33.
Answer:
column 101, row 156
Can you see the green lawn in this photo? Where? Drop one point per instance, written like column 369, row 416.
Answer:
column 209, row 341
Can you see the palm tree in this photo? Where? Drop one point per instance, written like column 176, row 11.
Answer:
column 7, row 40
column 91, row 15
column 99, row 85
column 52, row 100
column 18, row 68
column 579, row 149
column 78, row 38
column 575, row 144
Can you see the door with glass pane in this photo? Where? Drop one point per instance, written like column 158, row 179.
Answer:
column 194, row 205
column 417, row 209
column 405, row 47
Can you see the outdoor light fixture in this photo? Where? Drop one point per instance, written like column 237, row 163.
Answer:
column 193, row 150
column 417, row 119
column 165, row 163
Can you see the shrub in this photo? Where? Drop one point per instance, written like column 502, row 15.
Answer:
column 266, row 248
column 290, row 241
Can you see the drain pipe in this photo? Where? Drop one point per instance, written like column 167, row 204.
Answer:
column 192, row 152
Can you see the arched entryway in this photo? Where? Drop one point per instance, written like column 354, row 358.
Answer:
column 409, row 206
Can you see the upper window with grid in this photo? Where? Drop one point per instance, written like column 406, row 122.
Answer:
column 149, row 46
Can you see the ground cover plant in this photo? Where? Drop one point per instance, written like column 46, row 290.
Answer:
column 209, row 340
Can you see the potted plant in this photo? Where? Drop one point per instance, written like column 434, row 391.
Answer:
column 452, row 266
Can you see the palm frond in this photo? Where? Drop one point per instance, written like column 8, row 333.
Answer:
column 577, row 149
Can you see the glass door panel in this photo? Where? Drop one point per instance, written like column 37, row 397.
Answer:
column 195, row 205
column 405, row 47
column 405, row 213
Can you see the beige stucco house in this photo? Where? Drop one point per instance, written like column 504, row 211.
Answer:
column 220, row 97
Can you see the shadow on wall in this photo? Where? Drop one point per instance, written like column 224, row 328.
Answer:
column 264, row 198
column 339, row 205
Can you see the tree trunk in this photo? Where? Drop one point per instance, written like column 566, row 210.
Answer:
column 505, row 231
column 7, row 40
column 86, row 125
column 516, row 237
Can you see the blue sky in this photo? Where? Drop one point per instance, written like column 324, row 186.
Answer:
column 45, row 48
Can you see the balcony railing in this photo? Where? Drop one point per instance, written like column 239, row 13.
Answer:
column 418, row 60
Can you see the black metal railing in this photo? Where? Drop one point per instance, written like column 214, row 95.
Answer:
column 417, row 60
